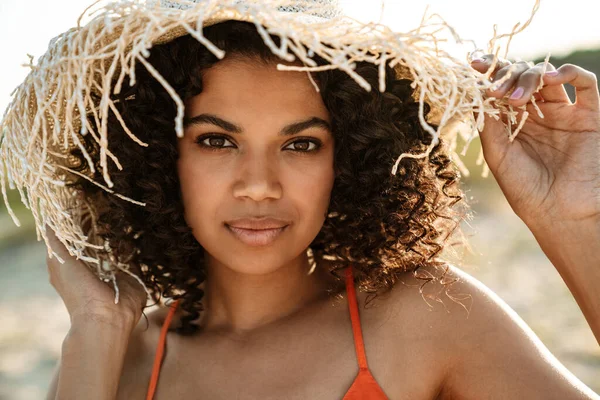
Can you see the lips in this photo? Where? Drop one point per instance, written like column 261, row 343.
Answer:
column 257, row 231
column 256, row 237
column 257, row 223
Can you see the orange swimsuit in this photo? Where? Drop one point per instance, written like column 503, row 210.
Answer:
column 364, row 387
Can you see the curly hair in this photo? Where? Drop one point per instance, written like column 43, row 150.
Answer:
column 386, row 226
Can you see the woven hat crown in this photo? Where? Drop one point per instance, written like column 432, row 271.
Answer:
column 327, row 9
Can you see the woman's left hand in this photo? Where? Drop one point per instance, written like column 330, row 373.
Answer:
column 550, row 173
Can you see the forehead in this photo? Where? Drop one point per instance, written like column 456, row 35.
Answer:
column 245, row 84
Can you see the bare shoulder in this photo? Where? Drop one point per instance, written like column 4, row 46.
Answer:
column 410, row 327
column 437, row 300
column 137, row 367
column 486, row 349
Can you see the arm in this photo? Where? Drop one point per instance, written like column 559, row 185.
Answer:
column 51, row 395
column 575, row 252
column 495, row 355
column 94, row 349
column 93, row 354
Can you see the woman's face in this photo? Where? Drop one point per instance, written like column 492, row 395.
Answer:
column 257, row 144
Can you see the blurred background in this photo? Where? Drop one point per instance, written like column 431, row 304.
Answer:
column 504, row 254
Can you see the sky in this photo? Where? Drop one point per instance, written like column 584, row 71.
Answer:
column 558, row 27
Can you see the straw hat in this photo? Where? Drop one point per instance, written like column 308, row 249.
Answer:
column 46, row 118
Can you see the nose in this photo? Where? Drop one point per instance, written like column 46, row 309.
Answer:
column 258, row 178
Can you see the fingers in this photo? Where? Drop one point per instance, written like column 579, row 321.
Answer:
column 504, row 74
column 487, row 61
column 528, row 83
column 520, row 81
column 553, row 93
column 60, row 260
column 506, row 78
column 64, row 263
column 585, row 83
column 56, row 246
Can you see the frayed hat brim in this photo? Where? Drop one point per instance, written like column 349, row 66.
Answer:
column 47, row 115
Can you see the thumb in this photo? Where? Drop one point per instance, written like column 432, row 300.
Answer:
column 58, row 248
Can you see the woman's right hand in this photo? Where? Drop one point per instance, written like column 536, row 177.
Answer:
column 87, row 298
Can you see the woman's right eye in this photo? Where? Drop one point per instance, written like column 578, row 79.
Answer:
column 212, row 142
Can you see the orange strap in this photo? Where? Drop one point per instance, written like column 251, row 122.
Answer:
column 354, row 317
column 160, row 350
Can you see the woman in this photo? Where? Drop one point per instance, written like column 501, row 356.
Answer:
column 270, row 174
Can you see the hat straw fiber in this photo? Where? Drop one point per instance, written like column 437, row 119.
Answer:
column 85, row 66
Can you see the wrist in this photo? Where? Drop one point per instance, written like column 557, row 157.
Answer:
column 573, row 250
column 92, row 359
column 564, row 232
column 569, row 244
column 93, row 335
column 113, row 323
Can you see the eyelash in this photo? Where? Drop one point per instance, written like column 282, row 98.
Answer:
column 200, row 139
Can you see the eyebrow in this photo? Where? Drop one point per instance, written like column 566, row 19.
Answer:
column 288, row 130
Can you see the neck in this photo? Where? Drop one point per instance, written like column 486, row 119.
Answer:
column 239, row 303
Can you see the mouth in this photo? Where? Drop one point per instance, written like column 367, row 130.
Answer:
column 256, row 237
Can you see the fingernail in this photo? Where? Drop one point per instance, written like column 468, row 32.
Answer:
column 517, row 93
column 551, row 73
column 478, row 60
column 501, row 86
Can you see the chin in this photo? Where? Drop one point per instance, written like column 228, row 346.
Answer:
column 252, row 264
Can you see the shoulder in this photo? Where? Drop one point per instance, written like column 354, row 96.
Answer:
column 455, row 302
column 139, row 359
column 486, row 349
column 463, row 313
column 144, row 338
column 433, row 316
column 443, row 297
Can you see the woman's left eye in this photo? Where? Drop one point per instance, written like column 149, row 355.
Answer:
column 305, row 145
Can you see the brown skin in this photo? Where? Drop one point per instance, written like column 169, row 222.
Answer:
column 413, row 352
column 550, row 174
column 253, row 173
column 552, row 160
column 261, row 342
column 310, row 355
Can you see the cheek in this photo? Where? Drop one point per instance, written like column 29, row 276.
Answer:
column 310, row 188
column 200, row 190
